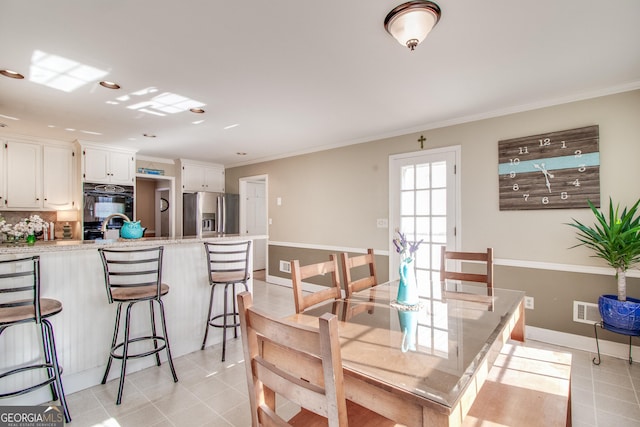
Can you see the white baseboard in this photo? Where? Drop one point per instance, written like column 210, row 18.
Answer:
column 579, row 342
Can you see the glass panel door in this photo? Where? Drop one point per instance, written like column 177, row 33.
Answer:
column 423, row 206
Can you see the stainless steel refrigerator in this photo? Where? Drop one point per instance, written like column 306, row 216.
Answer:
column 206, row 213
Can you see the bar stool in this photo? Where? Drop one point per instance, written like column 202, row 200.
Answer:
column 133, row 276
column 20, row 278
column 228, row 265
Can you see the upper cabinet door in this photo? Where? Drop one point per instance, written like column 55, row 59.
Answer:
column 24, row 175
column 121, row 167
column 96, row 165
column 193, row 178
column 203, row 178
column 58, row 173
column 214, row 179
column 108, row 167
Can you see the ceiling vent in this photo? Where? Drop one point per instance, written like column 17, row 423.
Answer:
column 586, row 312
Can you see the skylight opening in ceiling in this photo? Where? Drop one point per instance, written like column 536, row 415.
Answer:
column 61, row 73
column 159, row 105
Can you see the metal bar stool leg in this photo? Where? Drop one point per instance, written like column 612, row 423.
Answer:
column 209, row 319
column 166, row 341
column 56, row 369
column 125, row 349
column 234, row 315
column 113, row 343
column 46, row 348
column 224, row 321
column 153, row 331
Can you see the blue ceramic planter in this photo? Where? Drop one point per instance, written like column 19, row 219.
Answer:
column 620, row 314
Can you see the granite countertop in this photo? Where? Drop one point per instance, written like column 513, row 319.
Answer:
column 76, row 245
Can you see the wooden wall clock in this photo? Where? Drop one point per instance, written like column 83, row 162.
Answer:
column 556, row 170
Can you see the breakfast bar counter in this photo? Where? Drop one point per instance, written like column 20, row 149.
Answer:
column 72, row 272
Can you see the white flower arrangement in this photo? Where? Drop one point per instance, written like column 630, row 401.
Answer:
column 32, row 225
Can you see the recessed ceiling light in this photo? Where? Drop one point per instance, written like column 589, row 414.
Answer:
column 241, row 153
column 149, row 135
column 11, row 74
column 196, row 110
column 109, row 85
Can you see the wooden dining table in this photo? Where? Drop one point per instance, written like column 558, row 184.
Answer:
column 424, row 365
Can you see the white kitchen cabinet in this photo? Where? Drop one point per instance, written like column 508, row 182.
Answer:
column 58, row 177
column 23, row 166
column 37, row 175
column 200, row 177
column 105, row 166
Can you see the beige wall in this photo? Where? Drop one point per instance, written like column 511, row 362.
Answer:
column 333, row 198
column 145, row 204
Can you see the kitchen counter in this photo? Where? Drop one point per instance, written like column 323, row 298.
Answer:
column 74, row 245
column 72, row 272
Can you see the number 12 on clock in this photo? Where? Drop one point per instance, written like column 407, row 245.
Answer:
column 555, row 170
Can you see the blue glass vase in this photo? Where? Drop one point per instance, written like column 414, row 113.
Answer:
column 408, row 287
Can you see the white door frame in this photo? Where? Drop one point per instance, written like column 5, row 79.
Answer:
column 394, row 200
column 172, row 198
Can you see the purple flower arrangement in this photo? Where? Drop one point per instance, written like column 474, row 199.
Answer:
column 405, row 248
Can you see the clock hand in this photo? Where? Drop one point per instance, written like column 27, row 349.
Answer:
column 547, row 175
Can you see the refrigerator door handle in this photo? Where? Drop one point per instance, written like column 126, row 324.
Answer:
column 219, row 215
column 224, row 215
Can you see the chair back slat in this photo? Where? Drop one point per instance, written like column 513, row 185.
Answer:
column 300, row 363
column 228, row 257
column 132, row 268
column 300, row 273
column 352, row 285
column 485, row 258
column 20, row 284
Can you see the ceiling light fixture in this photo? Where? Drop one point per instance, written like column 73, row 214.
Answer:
column 149, row 135
column 410, row 22
column 109, row 85
column 196, row 110
column 11, row 74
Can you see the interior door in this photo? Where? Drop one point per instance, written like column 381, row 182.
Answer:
column 256, row 220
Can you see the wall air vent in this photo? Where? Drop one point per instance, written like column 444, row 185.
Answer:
column 285, row 266
column 585, row 312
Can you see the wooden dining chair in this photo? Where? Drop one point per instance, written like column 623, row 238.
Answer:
column 300, row 363
column 474, row 257
column 350, row 263
column 300, row 273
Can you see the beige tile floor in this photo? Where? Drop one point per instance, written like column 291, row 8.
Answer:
column 212, row 393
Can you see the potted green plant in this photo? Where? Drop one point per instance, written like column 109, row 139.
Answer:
column 616, row 239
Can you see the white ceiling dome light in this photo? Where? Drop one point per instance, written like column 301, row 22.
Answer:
column 410, row 22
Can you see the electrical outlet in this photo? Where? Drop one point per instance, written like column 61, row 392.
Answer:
column 528, row 303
